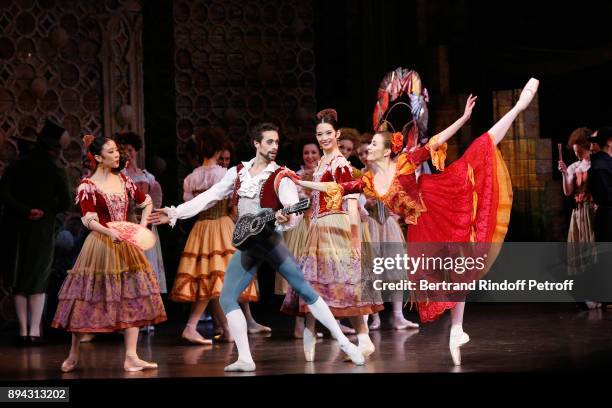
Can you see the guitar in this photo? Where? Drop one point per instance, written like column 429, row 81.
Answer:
column 250, row 225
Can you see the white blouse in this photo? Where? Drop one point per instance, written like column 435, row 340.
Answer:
column 248, row 194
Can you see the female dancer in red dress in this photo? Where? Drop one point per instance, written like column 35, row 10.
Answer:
column 112, row 286
column 469, row 202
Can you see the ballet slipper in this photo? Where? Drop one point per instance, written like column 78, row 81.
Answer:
column 366, row 346
column 191, row 335
column 133, row 364
column 405, row 324
column 353, row 353
column 69, row 364
column 240, row 366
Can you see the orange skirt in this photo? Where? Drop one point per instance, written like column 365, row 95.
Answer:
column 204, row 261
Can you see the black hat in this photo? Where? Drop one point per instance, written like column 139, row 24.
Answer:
column 50, row 134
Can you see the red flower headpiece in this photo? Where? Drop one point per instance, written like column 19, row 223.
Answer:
column 397, row 142
column 87, row 140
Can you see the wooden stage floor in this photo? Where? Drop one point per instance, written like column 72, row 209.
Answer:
column 505, row 338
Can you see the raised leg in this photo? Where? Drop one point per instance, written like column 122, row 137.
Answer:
column 499, row 129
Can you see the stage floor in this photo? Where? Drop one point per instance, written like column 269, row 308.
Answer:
column 505, row 338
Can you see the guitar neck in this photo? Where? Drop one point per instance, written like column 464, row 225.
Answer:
column 285, row 211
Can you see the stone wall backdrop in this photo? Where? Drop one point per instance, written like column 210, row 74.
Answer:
column 78, row 62
column 241, row 62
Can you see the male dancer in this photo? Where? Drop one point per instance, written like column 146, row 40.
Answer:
column 253, row 186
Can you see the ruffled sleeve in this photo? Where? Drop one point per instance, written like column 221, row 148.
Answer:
column 438, row 156
column 408, row 162
column 342, row 172
column 335, row 191
column 86, row 200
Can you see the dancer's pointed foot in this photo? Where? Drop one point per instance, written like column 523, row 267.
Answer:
column 457, row 339
column 133, row 363
column 191, row 334
column 310, row 341
column 527, row 94
column 403, row 324
column 353, row 352
column 87, row 337
column 255, row 328
column 70, row 363
column 239, row 365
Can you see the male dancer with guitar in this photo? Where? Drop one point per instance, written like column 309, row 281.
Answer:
column 254, row 186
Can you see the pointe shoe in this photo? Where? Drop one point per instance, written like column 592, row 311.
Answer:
column 367, row 349
column 457, row 339
column 353, row 353
column 527, row 94
column 240, row 366
column 68, row 366
column 310, row 343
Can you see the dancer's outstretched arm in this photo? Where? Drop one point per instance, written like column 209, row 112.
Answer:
column 352, row 187
column 313, row 185
column 205, row 200
column 450, row 131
